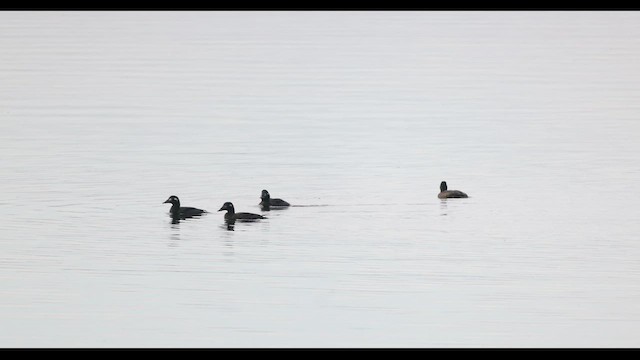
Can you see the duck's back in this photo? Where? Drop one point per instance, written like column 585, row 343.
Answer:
column 247, row 216
column 191, row 211
column 278, row 202
column 452, row 194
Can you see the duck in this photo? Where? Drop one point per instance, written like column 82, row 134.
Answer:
column 445, row 194
column 267, row 201
column 232, row 215
column 178, row 211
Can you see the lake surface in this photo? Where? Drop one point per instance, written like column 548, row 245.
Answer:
column 356, row 117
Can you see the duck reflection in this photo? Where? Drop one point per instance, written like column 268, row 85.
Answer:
column 230, row 223
column 174, row 235
column 177, row 219
column 443, row 207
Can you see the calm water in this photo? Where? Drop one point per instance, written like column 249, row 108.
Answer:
column 103, row 115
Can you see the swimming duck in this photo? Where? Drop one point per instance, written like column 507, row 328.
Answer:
column 445, row 194
column 232, row 215
column 267, row 201
column 177, row 211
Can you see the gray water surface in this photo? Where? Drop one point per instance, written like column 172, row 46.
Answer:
column 103, row 115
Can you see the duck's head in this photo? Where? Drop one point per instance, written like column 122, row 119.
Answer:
column 227, row 206
column 265, row 195
column 443, row 186
column 172, row 200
